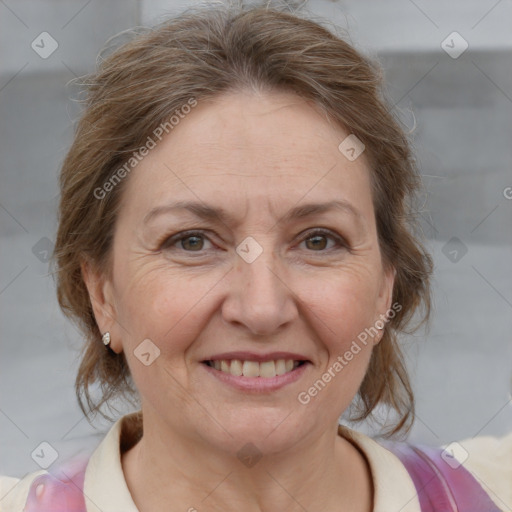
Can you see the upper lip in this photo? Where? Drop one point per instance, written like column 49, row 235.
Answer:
column 260, row 358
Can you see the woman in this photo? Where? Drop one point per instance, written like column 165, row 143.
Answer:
column 234, row 243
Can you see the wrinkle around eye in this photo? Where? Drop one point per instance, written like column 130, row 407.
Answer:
column 172, row 242
column 335, row 244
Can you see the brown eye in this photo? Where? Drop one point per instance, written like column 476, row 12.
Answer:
column 192, row 243
column 318, row 241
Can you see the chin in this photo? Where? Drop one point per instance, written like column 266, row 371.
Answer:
column 266, row 430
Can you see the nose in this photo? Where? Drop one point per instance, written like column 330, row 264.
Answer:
column 259, row 297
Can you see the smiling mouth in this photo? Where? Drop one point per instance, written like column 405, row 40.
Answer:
column 265, row 369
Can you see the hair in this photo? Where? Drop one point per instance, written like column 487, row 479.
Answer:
column 203, row 53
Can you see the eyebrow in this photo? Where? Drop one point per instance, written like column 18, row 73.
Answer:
column 208, row 212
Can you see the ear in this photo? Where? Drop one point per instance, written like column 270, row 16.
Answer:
column 101, row 295
column 385, row 297
column 386, row 288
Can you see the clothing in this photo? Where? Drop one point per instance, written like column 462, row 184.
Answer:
column 489, row 461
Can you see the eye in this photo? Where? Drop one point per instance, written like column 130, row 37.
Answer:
column 318, row 239
column 189, row 241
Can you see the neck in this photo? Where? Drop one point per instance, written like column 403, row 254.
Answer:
column 322, row 473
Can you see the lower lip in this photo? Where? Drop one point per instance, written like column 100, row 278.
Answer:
column 257, row 384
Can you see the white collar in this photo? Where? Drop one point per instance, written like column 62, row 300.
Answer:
column 105, row 487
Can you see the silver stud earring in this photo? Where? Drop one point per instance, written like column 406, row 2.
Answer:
column 106, row 339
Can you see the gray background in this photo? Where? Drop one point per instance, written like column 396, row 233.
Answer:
column 461, row 112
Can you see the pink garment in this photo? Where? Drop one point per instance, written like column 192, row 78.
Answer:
column 441, row 487
column 60, row 490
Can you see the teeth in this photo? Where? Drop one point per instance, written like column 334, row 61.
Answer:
column 280, row 367
column 236, row 368
column 267, row 369
column 251, row 369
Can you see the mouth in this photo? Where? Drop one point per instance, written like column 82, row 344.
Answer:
column 251, row 372
column 250, row 368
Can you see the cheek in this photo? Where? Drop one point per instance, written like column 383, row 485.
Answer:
column 345, row 312
column 341, row 310
column 165, row 310
column 346, row 305
column 163, row 307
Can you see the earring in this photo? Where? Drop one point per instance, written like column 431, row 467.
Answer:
column 106, row 339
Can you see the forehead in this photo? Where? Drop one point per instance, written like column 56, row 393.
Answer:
column 266, row 147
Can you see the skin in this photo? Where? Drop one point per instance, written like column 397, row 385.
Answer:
column 257, row 156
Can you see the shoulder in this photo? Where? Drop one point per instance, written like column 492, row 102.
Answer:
column 393, row 487
column 14, row 491
column 58, row 489
column 489, row 460
column 62, row 484
column 474, row 472
column 397, row 467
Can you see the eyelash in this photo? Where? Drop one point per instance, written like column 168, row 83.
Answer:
column 169, row 242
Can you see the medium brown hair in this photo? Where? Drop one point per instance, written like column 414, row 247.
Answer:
column 203, row 53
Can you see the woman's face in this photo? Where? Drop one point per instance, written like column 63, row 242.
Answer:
column 222, row 263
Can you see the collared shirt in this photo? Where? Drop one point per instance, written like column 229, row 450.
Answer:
column 489, row 460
